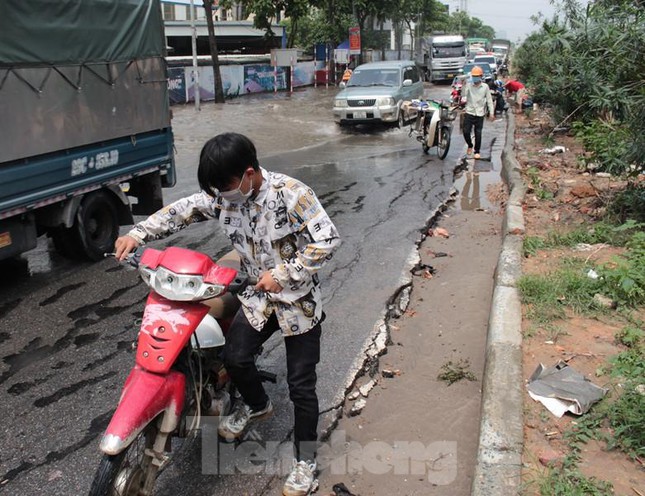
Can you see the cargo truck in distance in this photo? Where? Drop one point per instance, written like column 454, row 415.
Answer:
column 501, row 48
column 476, row 46
column 85, row 135
column 441, row 57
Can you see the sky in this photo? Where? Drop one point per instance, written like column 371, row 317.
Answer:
column 509, row 18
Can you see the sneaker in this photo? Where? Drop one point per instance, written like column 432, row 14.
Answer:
column 477, row 155
column 233, row 426
column 469, row 152
column 302, row 479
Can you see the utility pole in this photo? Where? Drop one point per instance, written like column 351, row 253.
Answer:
column 194, row 48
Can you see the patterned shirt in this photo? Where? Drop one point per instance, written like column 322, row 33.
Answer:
column 283, row 229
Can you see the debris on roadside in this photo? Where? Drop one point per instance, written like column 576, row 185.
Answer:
column 454, row 372
column 437, row 254
column 592, row 274
column 551, row 458
column 353, row 395
column 554, row 150
column 340, row 489
column 390, row 373
column 439, row 232
column 561, row 389
column 357, row 407
column 424, row 270
column 604, row 301
column 367, row 387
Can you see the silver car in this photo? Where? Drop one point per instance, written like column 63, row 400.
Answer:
column 375, row 92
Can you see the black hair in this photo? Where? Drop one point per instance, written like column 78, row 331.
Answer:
column 223, row 159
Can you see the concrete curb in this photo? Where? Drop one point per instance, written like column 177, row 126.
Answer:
column 499, row 457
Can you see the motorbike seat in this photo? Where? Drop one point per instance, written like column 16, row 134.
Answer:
column 224, row 307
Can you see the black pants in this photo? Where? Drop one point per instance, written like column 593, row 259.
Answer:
column 303, row 353
column 471, row 121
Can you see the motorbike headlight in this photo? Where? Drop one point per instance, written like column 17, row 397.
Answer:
column 340, row 103
column 385, row 101
column 179, row 287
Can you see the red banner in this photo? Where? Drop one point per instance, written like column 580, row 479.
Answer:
column 354, row 40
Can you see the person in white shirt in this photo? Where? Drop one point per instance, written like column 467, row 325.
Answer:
column 283, row 236
column 479, row 103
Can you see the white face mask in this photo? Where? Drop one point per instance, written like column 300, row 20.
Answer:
column 236, row 195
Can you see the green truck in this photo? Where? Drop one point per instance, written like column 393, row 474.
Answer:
column 477, row 46
column 86, row 140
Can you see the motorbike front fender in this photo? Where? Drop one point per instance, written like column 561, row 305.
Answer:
column 144, row 397
column 432, row 131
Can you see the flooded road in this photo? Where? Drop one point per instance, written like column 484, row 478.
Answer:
column 66, row 328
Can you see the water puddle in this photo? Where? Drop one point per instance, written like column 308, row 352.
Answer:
column 477, row 181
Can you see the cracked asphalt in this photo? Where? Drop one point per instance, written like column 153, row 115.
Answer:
column 65, row 328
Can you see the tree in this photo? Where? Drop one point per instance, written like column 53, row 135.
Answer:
column 461, row 23
column 212, row 42
column 587, row 62
column 266, row 11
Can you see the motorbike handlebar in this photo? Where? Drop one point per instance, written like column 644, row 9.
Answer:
column 132, row 259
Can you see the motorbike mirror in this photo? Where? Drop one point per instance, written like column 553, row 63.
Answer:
column 342, row 85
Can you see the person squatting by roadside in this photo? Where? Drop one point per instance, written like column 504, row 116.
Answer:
column 516, row 88
column 283, row 236
column 479, row 103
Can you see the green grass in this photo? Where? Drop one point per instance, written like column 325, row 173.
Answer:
column 630, row 336
column 624, row 279
column 570, row 482
column 626, row 416
column 533, row 175
column 601, row 232
column 548, row 296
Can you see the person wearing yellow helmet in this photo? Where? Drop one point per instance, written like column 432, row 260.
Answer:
column 479, row 103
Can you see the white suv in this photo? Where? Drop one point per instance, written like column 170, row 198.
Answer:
column 375, row 92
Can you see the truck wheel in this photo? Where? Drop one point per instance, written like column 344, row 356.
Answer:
column 97, row 225
column 95, row 229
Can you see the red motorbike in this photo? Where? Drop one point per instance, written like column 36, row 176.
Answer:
column 179, row 375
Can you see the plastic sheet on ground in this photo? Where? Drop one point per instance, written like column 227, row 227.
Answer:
column 561, row 389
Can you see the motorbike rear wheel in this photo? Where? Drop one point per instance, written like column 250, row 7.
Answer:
column 443, row 142
column 125, row 474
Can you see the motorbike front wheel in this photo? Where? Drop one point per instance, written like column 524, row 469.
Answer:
column 125, row 474
column 443, row 142
column 424, row 143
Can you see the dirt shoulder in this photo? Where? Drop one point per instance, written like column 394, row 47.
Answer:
column 561, row 198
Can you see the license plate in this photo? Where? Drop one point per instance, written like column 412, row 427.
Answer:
column 451, row 75
column 360, row 115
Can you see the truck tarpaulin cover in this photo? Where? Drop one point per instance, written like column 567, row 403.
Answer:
column 59, row 32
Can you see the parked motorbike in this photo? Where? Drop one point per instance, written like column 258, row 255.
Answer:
column 497, row 92
column 433, row 125
column 179, row 374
